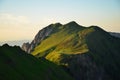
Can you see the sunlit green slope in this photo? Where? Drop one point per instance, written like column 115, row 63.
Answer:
column 86, row 53
column 69, row 39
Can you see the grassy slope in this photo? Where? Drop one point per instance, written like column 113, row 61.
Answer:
column 68, row 40
column 15, row 64
column 94, row 42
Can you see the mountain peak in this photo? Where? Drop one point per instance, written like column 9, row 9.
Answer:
column 55, row 25
column 58, row 24
column 5, row 44
column 72, row 23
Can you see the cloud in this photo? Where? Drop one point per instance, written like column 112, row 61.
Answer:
column 8, row 20
column 15, row 27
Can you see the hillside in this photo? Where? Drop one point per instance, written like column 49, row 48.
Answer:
column 86, row 53
column 15, row 64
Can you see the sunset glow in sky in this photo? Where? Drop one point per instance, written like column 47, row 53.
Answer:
column 22, row 19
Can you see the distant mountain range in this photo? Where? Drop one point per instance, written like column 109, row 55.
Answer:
column 115, row 34
column 16, row 42
column 85, row 53
column 20, row 42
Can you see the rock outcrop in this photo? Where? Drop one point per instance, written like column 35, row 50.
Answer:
column 41, row 35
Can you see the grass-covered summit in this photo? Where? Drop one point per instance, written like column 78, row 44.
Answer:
column 64, row 40
column 86, row 53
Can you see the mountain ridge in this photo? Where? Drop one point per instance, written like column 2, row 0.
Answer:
column 86, row 53
column 42, row 34
column 15, row 64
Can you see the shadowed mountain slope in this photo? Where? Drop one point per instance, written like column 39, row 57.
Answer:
column 15, row 64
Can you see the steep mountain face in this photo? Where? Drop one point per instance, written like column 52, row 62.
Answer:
column 15, row 64
column 41, row 35
column 86, row 53
column 105, row 52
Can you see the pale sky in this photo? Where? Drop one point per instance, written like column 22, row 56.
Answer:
column 22, row 19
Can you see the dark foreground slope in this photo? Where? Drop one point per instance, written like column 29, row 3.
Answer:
column 15, row 64
column 86, row 53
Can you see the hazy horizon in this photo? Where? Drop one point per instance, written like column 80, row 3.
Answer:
column 15, row 42
column 22, row 19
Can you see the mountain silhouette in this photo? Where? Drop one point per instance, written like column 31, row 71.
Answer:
column 15, row 64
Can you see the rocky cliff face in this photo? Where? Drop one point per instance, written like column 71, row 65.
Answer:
column 41, row 35
column 25, row 46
